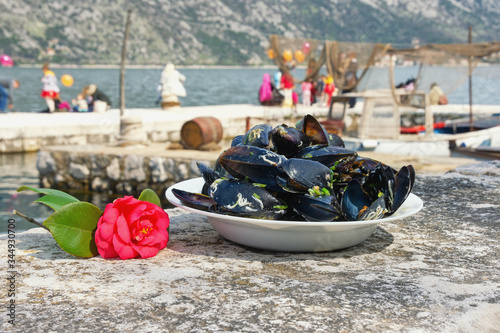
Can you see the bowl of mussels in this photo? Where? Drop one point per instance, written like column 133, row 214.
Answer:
column 296, row 189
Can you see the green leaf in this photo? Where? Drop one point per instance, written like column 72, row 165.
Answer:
column 73, row 228
column 150, row 196
column 47, row 191
column 55, row 199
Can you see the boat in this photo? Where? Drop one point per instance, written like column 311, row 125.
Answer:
column 379, row 128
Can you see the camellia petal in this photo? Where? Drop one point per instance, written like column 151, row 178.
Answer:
column 122, row 229
column 104, row 247
column 106, row 230
column 125, row 251
column 137, row 212
column 146, row 251
column 111, row 213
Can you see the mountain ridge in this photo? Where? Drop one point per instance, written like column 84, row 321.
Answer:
column 224, row 32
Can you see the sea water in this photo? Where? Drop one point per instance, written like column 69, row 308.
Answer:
column 204, row 86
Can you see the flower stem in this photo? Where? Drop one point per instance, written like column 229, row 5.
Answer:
column 29, row 219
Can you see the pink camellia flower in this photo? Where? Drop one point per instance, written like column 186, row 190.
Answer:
column 131, row 228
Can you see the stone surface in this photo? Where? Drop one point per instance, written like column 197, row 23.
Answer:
column 134, row 168
column 437, row 271
column 45, row 162
column 78, row 171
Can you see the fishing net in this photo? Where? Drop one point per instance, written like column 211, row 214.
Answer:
column 450, row 65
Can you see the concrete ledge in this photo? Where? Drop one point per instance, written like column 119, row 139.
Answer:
column 434, row 272
column 22, row 131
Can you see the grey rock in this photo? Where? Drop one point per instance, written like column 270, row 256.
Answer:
column 158, row 172
column 182, row 171
column 134, row 168
column 99, row 185
column 45, row 163
column 78, row 171
column 113, row 169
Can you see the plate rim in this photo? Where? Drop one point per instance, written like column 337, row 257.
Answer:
column 230, row 218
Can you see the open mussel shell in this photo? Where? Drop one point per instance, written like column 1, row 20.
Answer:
column 314, row 130
column 318, row 209
column 404, row 180
column 258, row 164
column 194, row 200
column 245, row 199
column 362, row 166
column 289, row 141
column 357, row 205
column 209, row 176
column 395, row 187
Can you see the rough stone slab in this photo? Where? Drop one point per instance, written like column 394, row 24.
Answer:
column 437, row 271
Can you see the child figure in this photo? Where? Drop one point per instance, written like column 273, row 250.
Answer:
column 50, row 90
column 80, row 104
column 306, row 92
column 328, row 90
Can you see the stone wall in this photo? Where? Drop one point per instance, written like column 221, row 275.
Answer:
column 125, row 172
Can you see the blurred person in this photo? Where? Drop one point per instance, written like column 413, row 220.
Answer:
column 172, row 86
column 307, row 88
column 50, row 89
column 7, row 87
column 80, row 104
column 93, row 95
column 287, row 85
column 436, row 95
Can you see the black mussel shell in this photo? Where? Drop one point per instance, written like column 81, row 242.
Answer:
column 317, row 133
column 258, row 136
column 338, row 158
column 245, row 199
column 194, row 200
column 258, row 164
column 237, row 140
column 357, row 205
column 316, row 209
column 288, row 141
column 335, row 140
column 302, row 175
column 404, row 180
column 208, row 174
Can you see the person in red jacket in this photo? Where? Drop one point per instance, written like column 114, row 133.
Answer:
column 287, row 85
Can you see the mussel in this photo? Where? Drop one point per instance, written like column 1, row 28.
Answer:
column 245, row 199
column 258, row 164
column 289, row 141
column 357, row 205
column 258, row 136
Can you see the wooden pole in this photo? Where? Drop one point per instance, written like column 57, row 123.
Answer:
column 122, row 67
column 471, row 122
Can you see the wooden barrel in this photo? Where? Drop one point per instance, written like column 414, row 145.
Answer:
column 201, row 130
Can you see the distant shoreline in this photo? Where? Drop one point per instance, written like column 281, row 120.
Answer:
column 58, row 66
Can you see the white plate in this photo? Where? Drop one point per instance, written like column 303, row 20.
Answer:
column 291, row 236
